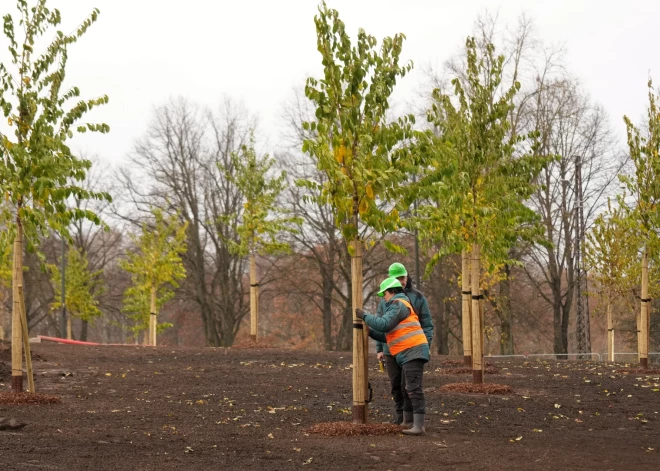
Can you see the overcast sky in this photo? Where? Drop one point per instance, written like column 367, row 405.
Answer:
column 141, row 52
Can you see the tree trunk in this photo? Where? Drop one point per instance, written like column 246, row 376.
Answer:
column 559, row 348
column 442, row 327
column 327, row 272
column 84, row 328
column 69, row 326
column 466, row 312
column 254, row 299
column 16, row 335
column 643, row 346
column 26, row 341
column 345, row 337
column 360, row 339
column 506, row 319
column 477, row 328
column 153, row 318
column 648, row 325
column 566, row 310
column 211, row 330
column 228, row 337
column 327, row 313
column 198, row 274
column 610, row 333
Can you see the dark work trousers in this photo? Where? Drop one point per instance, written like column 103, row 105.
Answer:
column 396, row 382
column 412, row 380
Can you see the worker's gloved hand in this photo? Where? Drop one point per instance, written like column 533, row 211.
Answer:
column 359, row 313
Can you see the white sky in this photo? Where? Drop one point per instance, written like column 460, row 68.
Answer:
column 141, row 52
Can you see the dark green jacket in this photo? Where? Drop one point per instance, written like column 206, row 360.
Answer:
column 421, row 307
column 395, row 312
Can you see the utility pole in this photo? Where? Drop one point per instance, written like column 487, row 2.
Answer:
column 63, row 325
column 583, row 324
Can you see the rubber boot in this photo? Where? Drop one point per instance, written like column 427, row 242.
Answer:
column 398, row 418
column 418, row 426
column 407, row 419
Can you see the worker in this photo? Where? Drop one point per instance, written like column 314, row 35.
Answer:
column 421, row 307
column 400, row 328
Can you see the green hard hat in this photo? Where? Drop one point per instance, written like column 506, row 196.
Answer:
column 388, row 283
column 397, row 269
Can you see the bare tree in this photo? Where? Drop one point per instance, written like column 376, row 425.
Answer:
column 101, row 246
column 570, row 125
column 180, row 166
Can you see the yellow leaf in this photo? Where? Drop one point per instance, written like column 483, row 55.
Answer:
column 370, row 192
column 340, row 153
column 364, row 206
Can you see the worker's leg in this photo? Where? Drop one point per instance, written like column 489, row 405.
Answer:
column 407, row 405
column 413, row 373
column 394, row 373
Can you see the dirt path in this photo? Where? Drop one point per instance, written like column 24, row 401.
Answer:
column 128, row 408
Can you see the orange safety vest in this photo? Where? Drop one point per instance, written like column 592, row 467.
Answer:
column 407, row 334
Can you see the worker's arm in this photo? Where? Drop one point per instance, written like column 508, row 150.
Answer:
column 380, row 344
column 394, row 314
column 379, row 337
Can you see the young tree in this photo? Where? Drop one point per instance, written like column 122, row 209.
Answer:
column 644, row 189
column 37, row 167
column 481, row 175
column 155, row 267
column 318, row 240
column 262, row 220
column 82, row 288
column 612, row 258
column 358, row 149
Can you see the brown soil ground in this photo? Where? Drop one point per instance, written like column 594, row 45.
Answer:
column 141, row 408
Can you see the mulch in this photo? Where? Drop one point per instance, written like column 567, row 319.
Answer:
column 10, row 398
column 483, row 388
column 349, row 429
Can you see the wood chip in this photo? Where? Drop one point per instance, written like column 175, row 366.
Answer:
column 349, row 429
column 12, row 398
